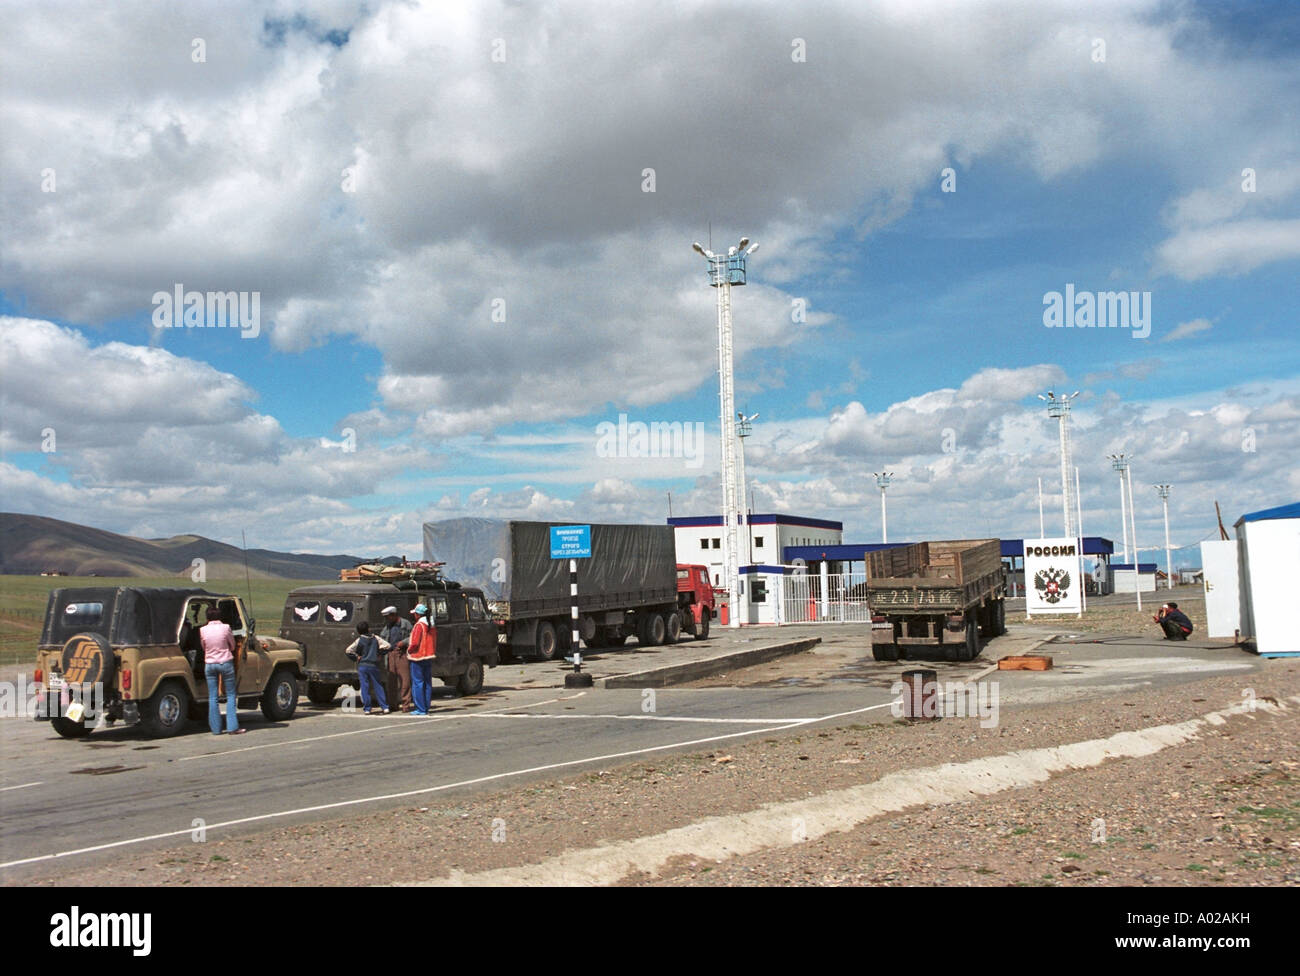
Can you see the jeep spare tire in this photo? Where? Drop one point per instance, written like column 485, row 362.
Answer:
column 87, row 659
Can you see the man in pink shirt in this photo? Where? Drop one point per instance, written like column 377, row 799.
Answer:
column 219, row 663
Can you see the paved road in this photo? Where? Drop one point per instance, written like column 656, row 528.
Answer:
column 86, row 799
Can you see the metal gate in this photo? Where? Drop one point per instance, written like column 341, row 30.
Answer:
column 835, row 598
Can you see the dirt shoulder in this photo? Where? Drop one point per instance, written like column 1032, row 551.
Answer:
column 1223, row 809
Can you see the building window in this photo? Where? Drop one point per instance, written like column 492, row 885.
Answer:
column 717, row 543
column 758, row 542
column 704, row 543
column 758, row 591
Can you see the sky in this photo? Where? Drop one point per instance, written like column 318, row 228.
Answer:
column 462, row 234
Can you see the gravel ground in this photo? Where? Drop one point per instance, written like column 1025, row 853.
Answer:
column 1221, row 810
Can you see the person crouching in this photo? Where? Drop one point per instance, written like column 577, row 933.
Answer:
column 1173, row 622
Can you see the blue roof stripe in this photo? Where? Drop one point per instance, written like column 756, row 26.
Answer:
column 1281, row 512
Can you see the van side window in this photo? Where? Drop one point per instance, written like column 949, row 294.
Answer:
column 477, row 611
column 440, row 612
column 338, row 612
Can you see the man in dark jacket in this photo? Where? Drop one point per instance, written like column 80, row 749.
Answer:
column 367, row 651
column 1174, row 622
column 397, row 632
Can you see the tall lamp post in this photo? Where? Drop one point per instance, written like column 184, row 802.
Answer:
column 1058, row 408
column 726, row 270
column 882, row 481
column 1169, row 569
column 1120, row 463
column 1123, row 463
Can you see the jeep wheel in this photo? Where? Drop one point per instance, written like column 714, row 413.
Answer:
column 70, row 729
column 280, row 699
column 321, row 692
column 471, row 682
column 166, row 712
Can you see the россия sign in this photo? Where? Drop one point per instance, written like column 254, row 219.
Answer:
column 570, row 541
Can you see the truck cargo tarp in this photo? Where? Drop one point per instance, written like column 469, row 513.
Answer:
column 511, row 562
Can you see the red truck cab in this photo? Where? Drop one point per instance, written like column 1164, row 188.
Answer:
column 695, row 599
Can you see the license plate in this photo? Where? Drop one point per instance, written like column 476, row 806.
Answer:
column 883, row 626
column 57, row 684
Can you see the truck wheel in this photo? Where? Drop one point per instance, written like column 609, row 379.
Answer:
column 672, row 627
column 547, row 644
column 702, row 628
column 972, row 647
column 471, row 682
column 654, row 630
column 280, row 699
column 166, row 711
column 884, row 652
column 321, row 692
column 999, row 618
column 70, row 729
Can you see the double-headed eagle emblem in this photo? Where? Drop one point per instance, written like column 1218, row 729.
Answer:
column 1052, row 584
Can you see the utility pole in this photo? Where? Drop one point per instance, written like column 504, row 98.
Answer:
column 1169, row 568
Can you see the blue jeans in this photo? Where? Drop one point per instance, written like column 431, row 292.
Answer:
column 371, row 673
column 226, row 669
column 422, row 684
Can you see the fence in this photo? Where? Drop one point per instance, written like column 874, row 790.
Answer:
column 844, row 599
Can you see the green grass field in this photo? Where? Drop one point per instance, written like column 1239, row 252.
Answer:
column 23, row 599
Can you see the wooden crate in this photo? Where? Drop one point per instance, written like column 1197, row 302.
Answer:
column 963, row 560
column 899, row 562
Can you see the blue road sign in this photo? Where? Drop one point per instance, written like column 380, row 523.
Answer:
column 570, row 541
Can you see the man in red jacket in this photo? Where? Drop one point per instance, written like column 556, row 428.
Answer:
column 421, row 651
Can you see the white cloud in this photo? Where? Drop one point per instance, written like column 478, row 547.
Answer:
column 1185, row 329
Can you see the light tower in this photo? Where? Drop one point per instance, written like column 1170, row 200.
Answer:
column 1058, row 408
column 1120, row 463
column 1169, row 569
column 744, row 427
column 882, row 480
column 726, row 270
column 1123, row 463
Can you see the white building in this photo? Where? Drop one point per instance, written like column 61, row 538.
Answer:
column 762, row 541
column 1122, row 576
column 1268, row 550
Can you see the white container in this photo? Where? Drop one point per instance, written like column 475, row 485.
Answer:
column 1222, row 594
column 1268, row 567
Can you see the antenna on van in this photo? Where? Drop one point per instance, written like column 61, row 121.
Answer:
column 247, row 581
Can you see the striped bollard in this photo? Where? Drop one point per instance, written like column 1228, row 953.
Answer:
column 575, row 678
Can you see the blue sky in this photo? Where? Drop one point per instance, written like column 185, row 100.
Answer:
column 385, row 176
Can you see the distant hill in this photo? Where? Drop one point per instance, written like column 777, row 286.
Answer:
column 31, row 544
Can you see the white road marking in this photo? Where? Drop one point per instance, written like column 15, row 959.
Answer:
column 396, row 796
column 20, row 786
column 650, row 718
column 407, row 724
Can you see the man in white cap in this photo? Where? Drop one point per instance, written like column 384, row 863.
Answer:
column 397, row 632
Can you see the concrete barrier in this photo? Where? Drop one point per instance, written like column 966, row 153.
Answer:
column 675, row 674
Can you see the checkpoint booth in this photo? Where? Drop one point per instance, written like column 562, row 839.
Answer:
column 1268, row 553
